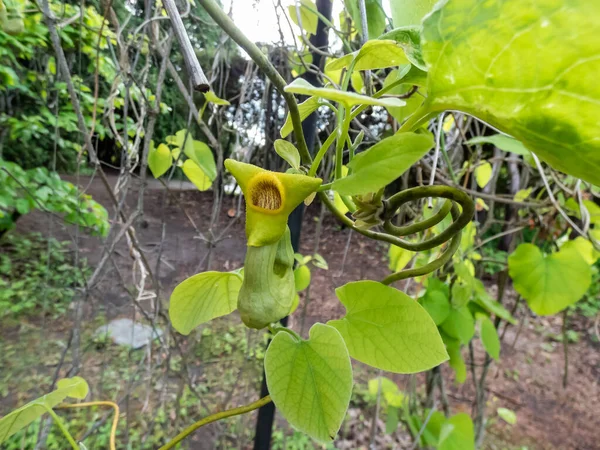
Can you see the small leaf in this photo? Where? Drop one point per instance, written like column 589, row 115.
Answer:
column 409, row 38
column 339, row 203
column 461, row 294
column 320, row 262
column 483, row 299
column 301, row 277
column 201, row 154
column 310, row 381
column 196, row 175
column 295, row 304
column 383, row 163
column 202, row 297
column 387, row 329
column 389, row 390
column 288, row 152
column 503, row 142
column 159, row 160
column 303, row 87
column 337, row 75
column 20, row 418
column 489, row 336
column 392, row 420
column 308, row 19
column 549, row 283
column 373, row 55
column 507, row 415
column 483, row 174
column 436, row 303
column 179, row 138
column 399, row 257
column 376, row 18
column 305, row 108
column 457, row 363
column 522, row 194
column 210, row 96
column 459, row 324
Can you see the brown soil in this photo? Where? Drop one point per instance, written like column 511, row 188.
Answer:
column 528, row 379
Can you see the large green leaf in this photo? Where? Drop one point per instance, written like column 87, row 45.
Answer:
column 75, row 387
column 203, row 297
column 159, row 160
column 409, row 12
column 387, row 329
column 310, row 381
column 527, row 67
column 303, row 87
column 549, row 283
column 383, row 163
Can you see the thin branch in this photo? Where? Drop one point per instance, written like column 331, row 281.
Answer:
column 195, row 72
column 262, row 61
column 540, row 169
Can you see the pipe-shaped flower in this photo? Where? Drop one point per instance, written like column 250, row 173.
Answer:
column 270, row 198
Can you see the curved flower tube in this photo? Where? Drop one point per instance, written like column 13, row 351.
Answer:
column 268, row 289
column 270, row 198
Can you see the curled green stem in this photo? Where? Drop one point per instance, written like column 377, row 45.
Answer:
column 419, row 226
column 213, row 418
column 393, row 204
column 454, row 198
column 433, row 265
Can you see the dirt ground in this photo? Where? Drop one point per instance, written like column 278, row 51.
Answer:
column 527, row 381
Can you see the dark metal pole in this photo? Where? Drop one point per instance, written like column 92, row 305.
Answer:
column 266, row 414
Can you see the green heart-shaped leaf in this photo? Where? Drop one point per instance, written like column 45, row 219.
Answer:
column 203, row 297
column 310, row 381
column 387, row 329
column 549, row 283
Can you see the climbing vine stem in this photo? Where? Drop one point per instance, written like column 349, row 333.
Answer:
column 213, row 418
